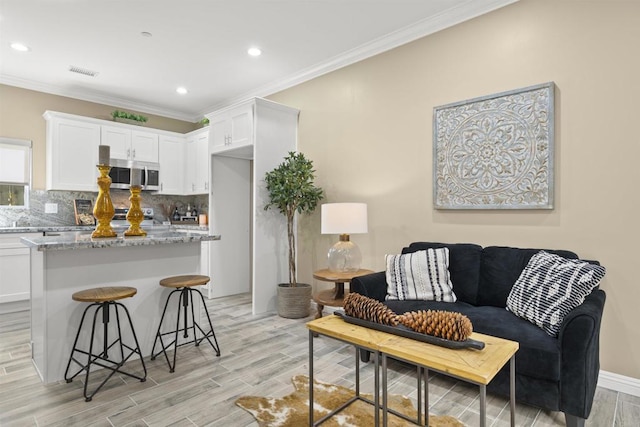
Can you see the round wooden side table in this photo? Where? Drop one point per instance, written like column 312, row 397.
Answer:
column 334, row 297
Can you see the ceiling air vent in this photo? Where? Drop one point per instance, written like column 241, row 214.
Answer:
column 84, row 71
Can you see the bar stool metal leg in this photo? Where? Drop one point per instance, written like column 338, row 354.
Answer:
column 160, row 334
column 211, row 332
column 184, row 300
column 101, row 359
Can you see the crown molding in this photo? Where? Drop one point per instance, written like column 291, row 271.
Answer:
column 449, row 18
column 98, row 98
column 456, row 15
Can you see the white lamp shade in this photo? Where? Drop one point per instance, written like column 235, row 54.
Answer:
column 344, row 218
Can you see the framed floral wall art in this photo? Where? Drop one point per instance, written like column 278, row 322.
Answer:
column 496, row 151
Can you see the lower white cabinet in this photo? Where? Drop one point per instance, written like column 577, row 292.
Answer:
column 15, row 276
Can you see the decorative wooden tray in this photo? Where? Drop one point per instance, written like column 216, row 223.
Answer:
column 403, row 331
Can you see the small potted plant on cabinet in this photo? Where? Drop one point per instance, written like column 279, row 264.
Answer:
column 130, row 118
column 291, row 190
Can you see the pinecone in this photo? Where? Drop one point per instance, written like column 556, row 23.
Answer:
column 361, row 307
column 449, row 325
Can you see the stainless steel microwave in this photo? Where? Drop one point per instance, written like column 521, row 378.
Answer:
column 121, row 174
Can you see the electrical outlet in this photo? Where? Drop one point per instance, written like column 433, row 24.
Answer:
column 51, row 208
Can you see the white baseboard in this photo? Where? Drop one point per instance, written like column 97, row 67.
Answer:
column 620, row 383
column 14, row 306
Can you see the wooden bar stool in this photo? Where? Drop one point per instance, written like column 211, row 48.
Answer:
column 102, row 299
column 183, row 286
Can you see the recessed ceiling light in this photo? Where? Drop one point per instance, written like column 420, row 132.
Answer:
column 182, row 90
column 20, row 47
column 146, row 34
column 254, row 51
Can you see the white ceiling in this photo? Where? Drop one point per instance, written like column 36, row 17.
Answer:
column 202, row 45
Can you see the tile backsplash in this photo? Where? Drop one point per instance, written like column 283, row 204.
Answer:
column 35, row 215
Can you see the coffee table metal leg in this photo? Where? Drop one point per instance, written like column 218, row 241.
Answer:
column 483, row 405
column 426, row 397
column 357, row 371
column 419, row 376
column 384, row 390
column 512, row 389
column 310, row 378
column 376, row 393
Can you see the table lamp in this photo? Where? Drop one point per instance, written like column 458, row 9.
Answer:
column 344, row 219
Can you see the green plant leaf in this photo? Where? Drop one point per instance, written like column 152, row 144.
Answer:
column 291, row 189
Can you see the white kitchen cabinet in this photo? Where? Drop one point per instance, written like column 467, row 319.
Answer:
column 129, row 144
column 72, row 150
column 252, row 254
column 197, row 162
column 72, row 153
column 172, row 165
column 232, row 129
column 15, row 272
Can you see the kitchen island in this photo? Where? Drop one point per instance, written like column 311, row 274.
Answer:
column 73, row 261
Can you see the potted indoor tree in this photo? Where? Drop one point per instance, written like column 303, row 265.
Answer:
column 291, row 190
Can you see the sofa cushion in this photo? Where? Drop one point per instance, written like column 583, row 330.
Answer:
column 464, row 266
column 500, row 268
column 550, row 287
column 421, row 275
column 539, row 354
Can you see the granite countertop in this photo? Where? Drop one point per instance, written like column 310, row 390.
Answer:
column 82, row 239
column 46, row 228
column 65, row 228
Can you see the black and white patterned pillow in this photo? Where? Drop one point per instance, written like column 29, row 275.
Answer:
column 550, row 287
column 421, row 275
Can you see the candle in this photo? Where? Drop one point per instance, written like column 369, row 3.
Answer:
column 136, row 177
column 103, row 154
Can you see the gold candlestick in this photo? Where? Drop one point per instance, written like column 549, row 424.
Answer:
column 103, row 210
column 135, row 215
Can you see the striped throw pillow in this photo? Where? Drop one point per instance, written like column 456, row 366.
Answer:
column 550, row 287
column 421, row 275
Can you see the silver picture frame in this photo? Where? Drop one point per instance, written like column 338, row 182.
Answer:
column 495, row 151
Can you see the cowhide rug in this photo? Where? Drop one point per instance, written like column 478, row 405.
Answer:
column 293, row 410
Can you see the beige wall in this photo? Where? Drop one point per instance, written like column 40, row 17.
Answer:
column 368, row 129
column 21, row 117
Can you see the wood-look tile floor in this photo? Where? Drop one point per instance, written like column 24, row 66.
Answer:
column 260, row 354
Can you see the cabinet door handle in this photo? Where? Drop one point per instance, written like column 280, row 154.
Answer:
column 193, row 187
column 206, row 185
column 128, row 153
column 134, row 153
column 161, row 186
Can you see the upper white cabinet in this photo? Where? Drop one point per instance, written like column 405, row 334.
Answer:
column 128, row 144
column 72, row 150
column 72, row 153
column 172, row 162
column 197, row 162
column 252, row 256
column 232, row 128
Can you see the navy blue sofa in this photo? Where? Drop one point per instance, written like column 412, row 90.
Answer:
column 558, row 374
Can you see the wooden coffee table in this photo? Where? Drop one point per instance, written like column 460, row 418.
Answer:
column 475, row 366
column 334, row 297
